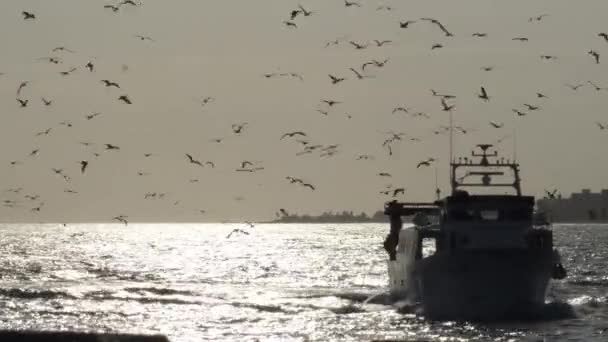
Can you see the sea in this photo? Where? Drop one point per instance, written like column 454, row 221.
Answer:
column 270, row 282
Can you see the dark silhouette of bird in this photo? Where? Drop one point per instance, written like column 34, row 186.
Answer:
column 487, row 68
column 91, row 116
column 425, row 163
column 22, row 103
column 45, row 132
column 238, row 128
column 406, row 24
column 358, row 46
column 110, row 83
column 90, row 66
column 46, row 102
column 538, row 18
column 283, row 212
column 351, row 3
column 128, row 2
column 54, row 60
column 519, row 113
column 83, row 165
column 383, row 42
column 521, row 39
column 436, row 46
column 237, row 230
column 444, row 96
column 479, row 34
column 603, row 35
column 531, row 107
column 121, row 218
column 496, row 125
column 290, row 24
column 575, row 86
column 331, row 103
column 293, row 180
column 34, row 152
column 294, row 14
column 304, row 11
column 402, row 109
column 308, row 185
column 595, row 56
column 66, row 123
column 551, row 194
column 112, row 7
column 364, row 157
column 140, row 37
column 548, row 57
column 483, row 95
column 398, row 191
column 446, row 107
column 193, row 161
column 335, row 80
column 28, row 15
column 245, row 163
column 324, row 112
column 541, row 96
column 63, row 49
column 596, row 87
column 210, row 163
column 440, row 25
column 111, row 147
column 601, row 126
column 292, row 134
column 384, row 174
column 217, row 140
column 21, row 86
column 125, row 99
column 359, row 75
column 67, row 72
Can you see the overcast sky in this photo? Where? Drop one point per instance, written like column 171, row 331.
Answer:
column 222, row 48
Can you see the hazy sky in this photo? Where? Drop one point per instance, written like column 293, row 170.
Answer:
column 221, row 48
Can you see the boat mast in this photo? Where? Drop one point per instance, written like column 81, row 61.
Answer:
column 450, row 166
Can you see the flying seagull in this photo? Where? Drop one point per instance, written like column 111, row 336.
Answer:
column 193, row 161
column 28, row 15
column 483, row 95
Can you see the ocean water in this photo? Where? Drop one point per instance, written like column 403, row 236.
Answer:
column 296, row 282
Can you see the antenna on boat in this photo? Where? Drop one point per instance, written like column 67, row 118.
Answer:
column 437, row 191
column 451, row 139
column 514, row 145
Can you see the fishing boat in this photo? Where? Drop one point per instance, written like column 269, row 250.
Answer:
column 473, row 256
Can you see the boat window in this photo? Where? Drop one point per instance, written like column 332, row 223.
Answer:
column 489, row 215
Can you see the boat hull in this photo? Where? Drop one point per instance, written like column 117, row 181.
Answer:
column 482, row 285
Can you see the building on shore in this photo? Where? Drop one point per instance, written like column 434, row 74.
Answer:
column 585, row 206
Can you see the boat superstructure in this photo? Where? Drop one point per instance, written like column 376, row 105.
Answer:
column 473, row 256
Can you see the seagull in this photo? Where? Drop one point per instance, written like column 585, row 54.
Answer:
column 519, row 113
column 140, row 37
column 480, row 35
column 210, row 163
column 442, row 95
column 548, row 57
column 398, row 191
column 335, row 80
column 331, row 103
column 359, row 76
column 112, row 7
column 402, row 109
column 290, row 24
column 364, row 157
column 238, row 128
column 601, row 126
column 596, row 86
column 384, row 174
column 483, row 95
column 67, row 72
column 304, row 11
column 45, row 132
column 375, row 63
column 308, row 185
column 436, row 46
column 539, row 18
column 283, row 212
column 603, row 35
column 551, row 194
column 383, row 42
column 22, row 103
column 575, row 87
column 406, row 24
column 128, row 2
column 21, row 86
column 349, row 4
column 110, row 83
column 324, row 112
column 193, row 161
column 424, row 163
column 357, row 45
column 531, row 107
column 487, row 68
column 237, row 231
column 90, row 66
column 28, row 15
column 46, row 102
column 111, row 147
column 445, row 106
column 436, row 22
column 62, row 48
column 521, row 39
column 292, row 134
column 496, row 125
column 83, row 165
column 595, row 55
column 121, row 218
column 34, row 152
column 541, row 95
column 125, row 99
column 91, row 116
column 53, row 60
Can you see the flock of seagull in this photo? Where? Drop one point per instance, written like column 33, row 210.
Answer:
column 325, row 106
